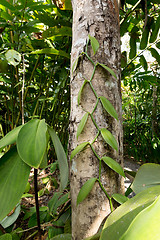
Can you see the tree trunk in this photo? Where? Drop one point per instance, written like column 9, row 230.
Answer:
column 100, row 20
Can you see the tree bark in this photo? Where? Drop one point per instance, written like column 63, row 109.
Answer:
column 99, row 18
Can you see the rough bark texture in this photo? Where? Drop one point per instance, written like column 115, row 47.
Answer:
column 99, row 18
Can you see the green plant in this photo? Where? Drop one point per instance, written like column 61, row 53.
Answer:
column 106, row 134
column 30, row 151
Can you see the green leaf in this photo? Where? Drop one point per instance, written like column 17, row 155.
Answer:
column 65, row 236
column 82, row 124
column 50, row 51
column 133, row 47
column 62, row 159
column 52, row 202
column 119, row 198
column 60, row 201
column 119, row 220
column 144, row 39
column 13, row 57
column 9, row 220
column 78, row 149
column 143, row 62
column 155, row 31
column 113, row 165
column 109, row 138
column 10, row 137
column 6, row 236
column 94, row 44
column 86, row 189
column 108, row 69
column 80, row 91
column 146, row 224
column 7, row 5
column 31, row 142
column 155, row 54
column 147, row 176
column 109, row 107
column 14, row 175
column 57, row 31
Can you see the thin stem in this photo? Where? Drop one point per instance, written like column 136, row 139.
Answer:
column 94, row 122
column 95, row 137
column 133, row 8
column 37, row 203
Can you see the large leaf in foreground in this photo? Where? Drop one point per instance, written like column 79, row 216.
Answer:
column 147, row 176
column 10, row 137
column 14, row 175
column 146, row 224
column 31, row 142
column 61, row 156
column 118, row 221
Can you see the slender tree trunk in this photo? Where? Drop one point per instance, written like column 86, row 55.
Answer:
column 99, row 18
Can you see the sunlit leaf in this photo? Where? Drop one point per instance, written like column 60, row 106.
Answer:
column 57, row 31
column 109, row 138
column 14, row 175
column 78, row 149
column 62, row 158
column 146, row 224
column 31, row 142
column 119, row 220
column 114, row 165
column 6, row 236
column 13, row 57
column 147, row 176
column 10, row 137
column 119, row 198
column 85, row 190
column 9, row 220
column 109, row 107
column 108, row 69
column 80, row 91
column 94, row 44
column 51, row 51
column 82, row 124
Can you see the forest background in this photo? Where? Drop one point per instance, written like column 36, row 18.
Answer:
column 34, row 84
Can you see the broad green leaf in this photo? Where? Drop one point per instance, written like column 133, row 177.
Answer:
column 133, row 47
column 7, row 5
column 80, row 91
column 82, row 124
column 113, row 165
column 52, row 202
column 119, row 198
column 109, row 107
column 94, row 44
column 31, row 142
column 65, row 236
column 13, row 57
column 44, row 161
column 14, row 174
column 147, row 176
column 62, row 159
column 6, row 236
column 9, row 220
column 120, row 219
column 85, row 189
column 108, row 69
column 51, row 51
column 155, row 54
column 146, row 224
column 78, row 149
column 57, row 31
column 143, row 62
column 109, row 138
column 155, row 31
column 10, row 137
